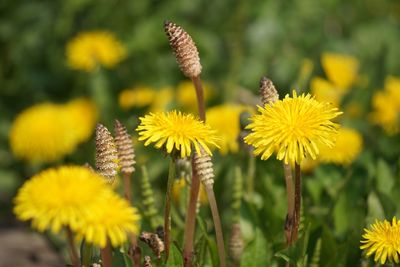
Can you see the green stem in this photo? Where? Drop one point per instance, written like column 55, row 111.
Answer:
column 217, row 224
column 290, row 217
column 191, row 219
column 73, row 253
column 167, row 210
column 87, row 253
column 297, row 201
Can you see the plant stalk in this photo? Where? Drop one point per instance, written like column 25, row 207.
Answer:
column 251, row 168
column 200, row 97
column 127, row 186
column 191, row 219
column 167, row 210
column 73, row 253
column 297, row 201
column 87, row 253
column 217, row 224
column 106, row 255
column 290, row 217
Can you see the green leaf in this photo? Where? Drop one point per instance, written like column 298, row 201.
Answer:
column 375, row 209
column 175, row 257
column 257, row 252
column 384, row 177
column 212, row 246
column 120, row 259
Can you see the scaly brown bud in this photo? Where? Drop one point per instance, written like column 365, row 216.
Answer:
column 204, row 168
column 126, row 153
column 184, row 48
column 154, row 242
column 268, row 92
column 236, row 243
column 147, row 261
column 106, row 153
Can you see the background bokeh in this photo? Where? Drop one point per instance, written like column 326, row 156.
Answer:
column 238, row 42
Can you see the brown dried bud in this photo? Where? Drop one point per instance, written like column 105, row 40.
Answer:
column 126, row 153
column 147, row 261
column 236, row 243
column 268, row 92
column 204, row 168
column 106, row 153
column 88, row 166
column 154, row 242
column 184, row 48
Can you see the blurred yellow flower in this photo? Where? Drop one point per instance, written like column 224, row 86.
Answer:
column 348, row 146
column 56, row 130
column 139, row 97
column 386, row 106
column 176, row 131
column 383, row 239
column 308, row 165
column 325, row 91
column 293, row 127
column 113, row 219
column 84, row 115
column 342, row 70
column 42, row 133
column 226, row 120
column 89, row 50
column 186, row 95
column 163, row 98
column 59, row 197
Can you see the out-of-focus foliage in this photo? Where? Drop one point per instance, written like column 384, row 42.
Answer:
column 238, row 41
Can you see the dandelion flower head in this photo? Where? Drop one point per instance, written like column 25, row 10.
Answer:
column 225, row 119
column 89, row 49
column 59, row 197
column 325, row 91
column 292, row 127
column 84, row 115
column 341, row 69
column 41, row 133
column 346, row 149
column 176, row 131
column 383, row 239
column 112, row 218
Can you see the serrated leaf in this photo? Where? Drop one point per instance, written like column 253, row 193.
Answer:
column 175, row 257
column 256, row 253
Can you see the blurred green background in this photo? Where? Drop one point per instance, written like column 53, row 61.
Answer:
column 238, row 41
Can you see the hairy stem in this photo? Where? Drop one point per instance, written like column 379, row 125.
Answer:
column 106, row 255
column 167, row 210
column 73, row 252
column 191, row 219
column 217, row 225
column 297, row 201
column 290, row 217
column 200, row 97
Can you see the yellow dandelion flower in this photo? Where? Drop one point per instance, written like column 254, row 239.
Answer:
column 139, row 97
column 293, row 127
column 41, row 133
column 308, row 165
column 59, row 197
column 88, row 50
column 163, row 98
column 346, row 149
column 325, row 91
column 225, row 119
column 383, row 239
column 84, row 115
column 340, row 69
column 386, row 111
column 186, row 95
column 113, row 219
column 176, row 131
column 392, row 86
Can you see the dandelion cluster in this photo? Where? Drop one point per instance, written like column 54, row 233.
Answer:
column 77, row 198
column 89, row 50
column 383, row 239
column 292, row 127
